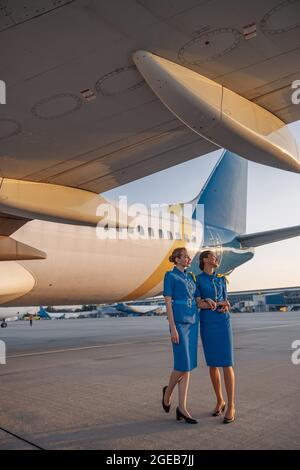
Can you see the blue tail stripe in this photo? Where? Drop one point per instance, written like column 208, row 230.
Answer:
column 225, row 194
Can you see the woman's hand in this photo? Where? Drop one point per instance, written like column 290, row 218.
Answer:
column 225, row 306
column 211, row 303
column 174, row 335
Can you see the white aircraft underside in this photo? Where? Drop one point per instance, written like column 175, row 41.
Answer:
column 101, row 93
column 49, row 54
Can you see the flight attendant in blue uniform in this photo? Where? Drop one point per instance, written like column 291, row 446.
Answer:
column 215, row 330
column 183, row 316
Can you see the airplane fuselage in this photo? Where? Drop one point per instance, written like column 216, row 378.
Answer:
column 81, row 268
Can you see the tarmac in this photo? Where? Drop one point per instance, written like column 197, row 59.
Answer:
column 97, row 384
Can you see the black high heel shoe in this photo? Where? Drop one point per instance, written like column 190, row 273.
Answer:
column 165, row 407
column 219, row 412
column 229, row 420
column 180, row 416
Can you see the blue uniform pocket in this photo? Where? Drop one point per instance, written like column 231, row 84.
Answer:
column 185, row 314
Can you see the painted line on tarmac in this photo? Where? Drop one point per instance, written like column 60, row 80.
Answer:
column 98, row 346
column 269, row 327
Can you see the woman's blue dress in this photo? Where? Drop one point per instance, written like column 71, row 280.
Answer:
column 182, row 288
column 215, row 327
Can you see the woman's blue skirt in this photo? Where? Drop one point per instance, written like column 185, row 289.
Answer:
column 185, row 353
column 217, row 342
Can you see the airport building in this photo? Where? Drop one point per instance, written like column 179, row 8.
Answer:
column 266, row 300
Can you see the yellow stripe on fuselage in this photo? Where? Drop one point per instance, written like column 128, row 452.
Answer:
column 155, row 278
column 165, row 265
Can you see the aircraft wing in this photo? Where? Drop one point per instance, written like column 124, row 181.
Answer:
column 10, row 224
column 269, row 236
column 13, row 250
column 79, row 114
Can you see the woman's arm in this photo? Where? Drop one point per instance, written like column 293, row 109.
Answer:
column 207, row 303
column 203, row 303
column 224, row 303
column 170, row 315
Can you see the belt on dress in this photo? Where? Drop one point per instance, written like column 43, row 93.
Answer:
column 188, row 302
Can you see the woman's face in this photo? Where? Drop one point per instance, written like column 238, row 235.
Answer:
column 184, row 259
column 211, row 260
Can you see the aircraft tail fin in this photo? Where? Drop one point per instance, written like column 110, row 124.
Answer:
column 224, row 194
column 42, row 313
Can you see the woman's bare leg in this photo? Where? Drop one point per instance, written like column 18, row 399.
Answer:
column 229, row 380
column 175, row 377
column 183, row 387
column 215, row 377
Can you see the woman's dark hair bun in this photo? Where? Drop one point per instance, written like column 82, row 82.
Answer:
column 176, row 254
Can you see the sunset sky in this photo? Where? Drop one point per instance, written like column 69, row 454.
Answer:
column 273, row 202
